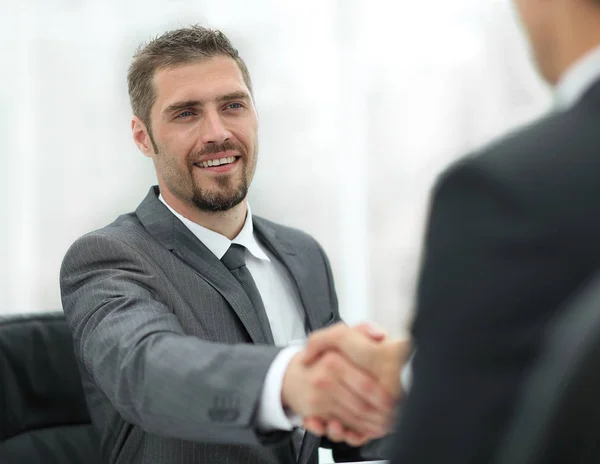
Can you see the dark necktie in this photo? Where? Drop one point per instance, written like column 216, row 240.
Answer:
column 235, row 261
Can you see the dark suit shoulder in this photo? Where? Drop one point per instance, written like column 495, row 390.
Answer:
column 538, row 150
column 561, row 145
column 550, row 168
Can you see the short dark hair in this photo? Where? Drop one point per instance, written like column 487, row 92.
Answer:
column 171, row 49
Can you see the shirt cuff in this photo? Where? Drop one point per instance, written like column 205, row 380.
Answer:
column 271, row 413
column 406, row 376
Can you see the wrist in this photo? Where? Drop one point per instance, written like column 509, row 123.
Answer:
column 391, row 365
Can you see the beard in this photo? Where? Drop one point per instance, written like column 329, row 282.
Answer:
column 231, row 189
column 228, row 196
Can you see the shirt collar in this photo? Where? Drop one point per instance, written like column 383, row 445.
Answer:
column 247, row 239
column 219, row 244
column 578, row 79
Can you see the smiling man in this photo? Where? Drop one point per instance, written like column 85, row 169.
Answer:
column 188, row 315
column 206, row 152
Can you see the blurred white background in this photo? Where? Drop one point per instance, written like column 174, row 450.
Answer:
column 361, row 104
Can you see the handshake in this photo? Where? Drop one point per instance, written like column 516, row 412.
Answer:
column 346, row 383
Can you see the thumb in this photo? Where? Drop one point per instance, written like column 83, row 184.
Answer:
column 372, row 331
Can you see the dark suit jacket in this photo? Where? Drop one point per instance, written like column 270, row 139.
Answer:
column 513, row 232
column 171, row 352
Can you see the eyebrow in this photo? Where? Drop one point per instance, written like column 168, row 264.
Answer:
column 241, row 95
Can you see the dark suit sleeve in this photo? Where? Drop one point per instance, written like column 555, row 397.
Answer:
column 134, row 350
column 489, row 275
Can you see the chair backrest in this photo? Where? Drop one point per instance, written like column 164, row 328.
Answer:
column 558, row 417
column 43, row 414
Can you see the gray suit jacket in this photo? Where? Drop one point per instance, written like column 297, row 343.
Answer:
column 171, row 352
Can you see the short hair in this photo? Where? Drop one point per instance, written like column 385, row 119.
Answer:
column 172, row 49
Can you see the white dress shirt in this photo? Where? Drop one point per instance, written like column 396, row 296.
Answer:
column 577, row 80
column 282, row 305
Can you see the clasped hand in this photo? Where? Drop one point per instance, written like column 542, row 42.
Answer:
column 346, row 383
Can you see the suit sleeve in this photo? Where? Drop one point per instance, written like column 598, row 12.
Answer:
column 135, row 351
column 488, row 277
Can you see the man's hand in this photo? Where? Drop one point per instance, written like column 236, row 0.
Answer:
column 332, row 388
column 384, row 361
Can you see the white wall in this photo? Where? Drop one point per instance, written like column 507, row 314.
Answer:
column 361, row 104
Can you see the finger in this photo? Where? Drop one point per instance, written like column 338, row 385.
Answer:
column 315, row 426
column 356, row 439
column 357, row 415
column 354, row 345
column 320, row 341
column 349, row 436
column 334, row 400
column 337, row 400
column 364, row 386
column 335, row 431
column 371, row 330
column 331, row 397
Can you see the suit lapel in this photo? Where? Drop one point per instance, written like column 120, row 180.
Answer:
column 298, row 269
column 175, row 236
column 300, row 273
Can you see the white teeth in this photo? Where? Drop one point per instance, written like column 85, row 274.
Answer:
column 217, row 162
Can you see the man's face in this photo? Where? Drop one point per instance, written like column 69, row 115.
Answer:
column 204, row 128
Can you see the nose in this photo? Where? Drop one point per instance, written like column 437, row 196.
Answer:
column 213, row 128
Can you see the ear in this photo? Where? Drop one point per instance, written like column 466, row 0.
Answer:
column 141, row 136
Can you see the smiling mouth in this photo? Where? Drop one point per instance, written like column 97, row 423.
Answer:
column 217, row 162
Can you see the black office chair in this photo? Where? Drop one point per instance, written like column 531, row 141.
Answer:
column 558, row 416
column 43, row 414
